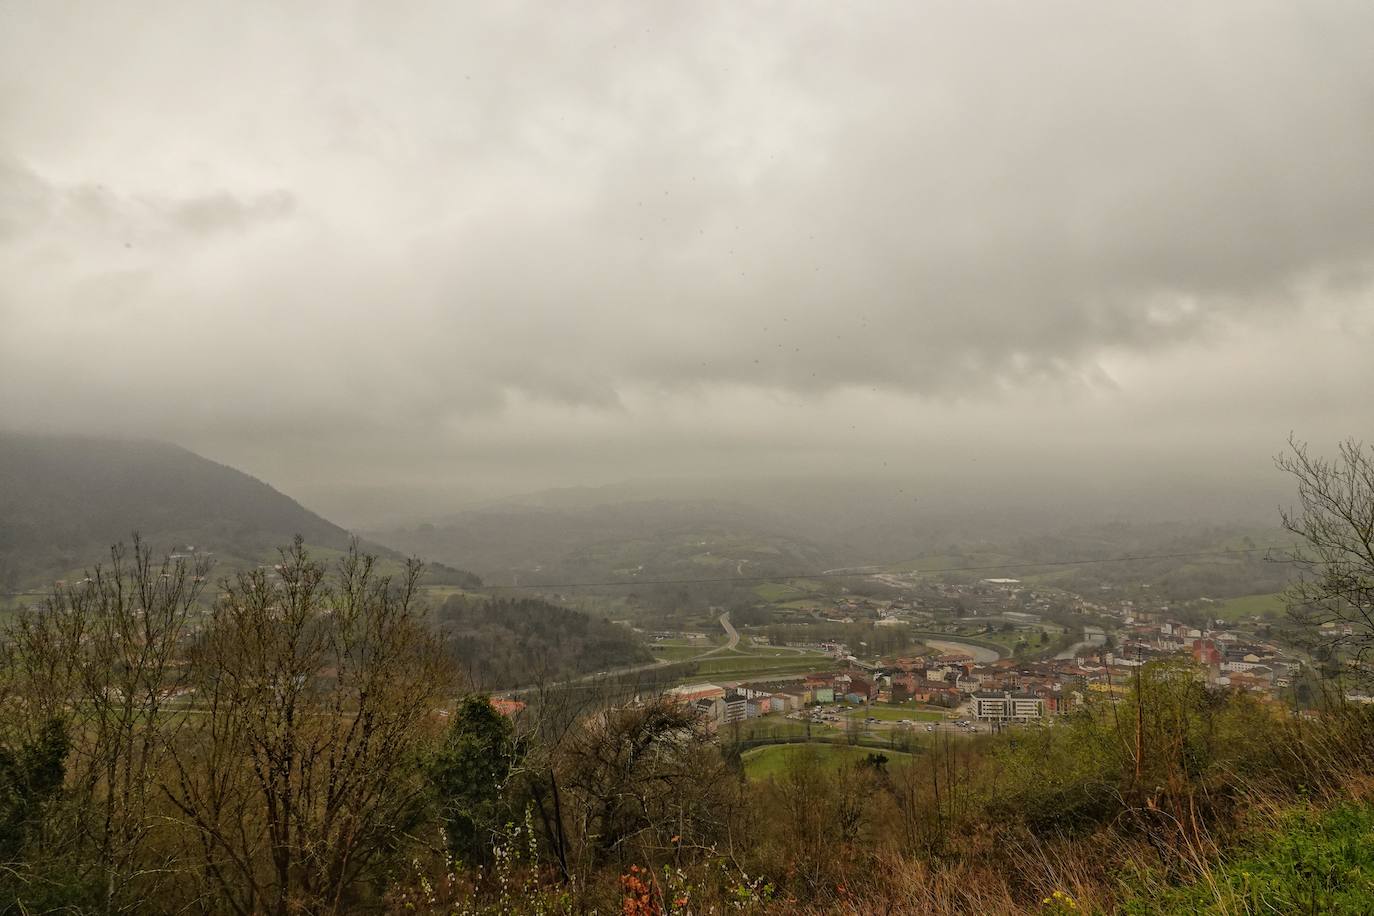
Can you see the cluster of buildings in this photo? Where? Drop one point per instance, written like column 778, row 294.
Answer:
column 720, row 704
column 1011, row 691
column 1000, row 691
column 1006, row 690
column 1230, row 659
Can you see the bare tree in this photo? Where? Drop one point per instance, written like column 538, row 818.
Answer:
column 632, row 777
column 103, row 656
column 800, row 799
column 316, row 695
column 1334, row 591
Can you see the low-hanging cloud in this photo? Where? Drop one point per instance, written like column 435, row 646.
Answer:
column 481, row 232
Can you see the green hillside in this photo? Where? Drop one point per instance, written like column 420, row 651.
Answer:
column 64, row 500
column 1311, row 861
column 500, row 643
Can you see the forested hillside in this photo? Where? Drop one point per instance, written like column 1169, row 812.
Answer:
column 65, row 500
column 504, row 642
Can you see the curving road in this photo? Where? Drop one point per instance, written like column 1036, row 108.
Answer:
column 729, row 631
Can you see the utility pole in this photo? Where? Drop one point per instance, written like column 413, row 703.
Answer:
column 1139, row 718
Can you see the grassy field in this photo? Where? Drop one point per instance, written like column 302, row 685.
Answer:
column 766, row 651
column 1248, row 606
column 677, row 653
column 766, row 762
column 1050, row 578
column 775, row 726
column 777, row 591
column 1006, row 640
column 1010, row 638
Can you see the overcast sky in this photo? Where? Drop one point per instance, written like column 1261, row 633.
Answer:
column 382, row 250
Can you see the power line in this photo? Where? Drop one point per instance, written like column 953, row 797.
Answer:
column 851, row 575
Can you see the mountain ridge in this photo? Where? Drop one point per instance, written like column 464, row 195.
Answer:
column 65, row 499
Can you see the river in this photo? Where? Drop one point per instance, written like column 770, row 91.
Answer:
column 1092, row 636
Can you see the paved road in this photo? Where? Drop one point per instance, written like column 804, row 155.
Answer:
column 729, row 631
column 797, row 650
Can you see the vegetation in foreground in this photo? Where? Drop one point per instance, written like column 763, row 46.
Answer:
column 775, row 760
column 296, row 749
column 1307, row 860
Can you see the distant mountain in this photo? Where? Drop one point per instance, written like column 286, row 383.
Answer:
column 789, row 528
column 688, row 526
column 64, row 500
column 563, row 540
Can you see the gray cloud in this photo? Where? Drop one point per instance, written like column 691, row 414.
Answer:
column 31, row 205
column 25, row 200
column 502, row 245
column 222, row 212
